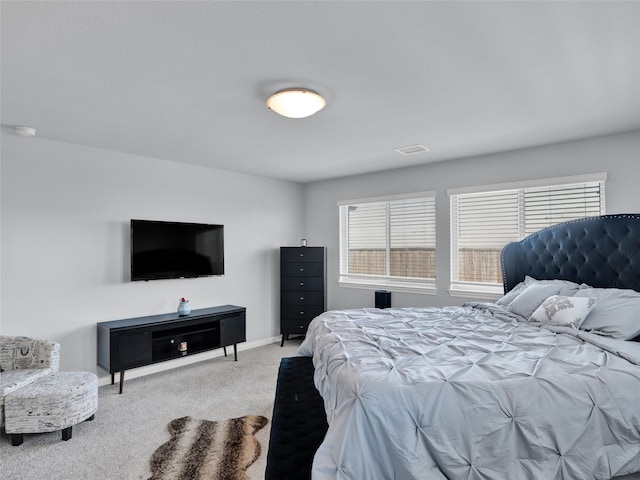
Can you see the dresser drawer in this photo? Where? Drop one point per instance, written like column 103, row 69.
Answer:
column 299, row 269
column 302, row 298
column 302, row 254
column 306, row 312
column 294, row 326
column 302, row 284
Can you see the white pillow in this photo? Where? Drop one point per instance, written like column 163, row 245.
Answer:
column 564, row 311
column 531, row 298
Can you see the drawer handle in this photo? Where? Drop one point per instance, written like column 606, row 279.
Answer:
column 301, row 313
column 301, row 327
column 301, row 298
column 301, row 284
column 302, row 254
column 302, row 269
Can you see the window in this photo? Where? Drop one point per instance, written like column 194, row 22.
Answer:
column 389, row 242
column 484, row 220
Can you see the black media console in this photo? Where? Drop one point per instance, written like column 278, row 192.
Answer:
column 135, row 342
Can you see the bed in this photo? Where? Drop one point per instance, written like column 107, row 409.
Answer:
column 542, row 384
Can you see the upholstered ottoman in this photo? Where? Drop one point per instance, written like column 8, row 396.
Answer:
column 54, row 402
column 299, row 422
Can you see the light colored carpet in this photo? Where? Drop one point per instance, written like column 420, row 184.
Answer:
column 128, row 428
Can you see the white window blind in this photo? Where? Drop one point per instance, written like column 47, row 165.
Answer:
column 483, row 222
column 388, row 242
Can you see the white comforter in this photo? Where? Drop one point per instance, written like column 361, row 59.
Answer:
column 471, row 393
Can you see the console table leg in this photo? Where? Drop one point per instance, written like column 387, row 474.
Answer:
column 225, row 351
column 113, row 378
column 121, row 381
column 235, row 352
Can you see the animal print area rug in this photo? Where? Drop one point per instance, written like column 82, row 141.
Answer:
column 202, row 449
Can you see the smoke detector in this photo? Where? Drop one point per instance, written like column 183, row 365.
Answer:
column 25, row 131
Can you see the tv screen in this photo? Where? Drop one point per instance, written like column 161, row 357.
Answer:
column 175, row 250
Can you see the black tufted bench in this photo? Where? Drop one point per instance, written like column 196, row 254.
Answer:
column 299, row 422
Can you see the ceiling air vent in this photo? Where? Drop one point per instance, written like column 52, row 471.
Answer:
column 411, row 149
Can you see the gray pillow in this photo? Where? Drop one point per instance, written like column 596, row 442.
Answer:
column 511, row 294
column 617, row 313
column 531, row 298
column 567, row 288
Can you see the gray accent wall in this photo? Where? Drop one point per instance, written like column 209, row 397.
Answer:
column 618, row 155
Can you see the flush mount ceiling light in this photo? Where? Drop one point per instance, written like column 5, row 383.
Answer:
column 296, row 102
column 25, row 131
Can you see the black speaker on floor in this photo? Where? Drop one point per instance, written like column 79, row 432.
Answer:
column 383, row 299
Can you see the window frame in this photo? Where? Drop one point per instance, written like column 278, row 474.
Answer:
column 459, row 288
column 387, row 282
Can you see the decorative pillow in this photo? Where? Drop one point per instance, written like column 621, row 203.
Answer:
column 531, row 298
column 563, row 310
column 617, row 313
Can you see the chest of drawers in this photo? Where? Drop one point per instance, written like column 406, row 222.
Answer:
column 303, row 286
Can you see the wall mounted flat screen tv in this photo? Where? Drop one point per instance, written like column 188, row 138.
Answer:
column 161, row 250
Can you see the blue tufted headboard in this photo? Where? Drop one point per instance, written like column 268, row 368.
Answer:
column 599, row 251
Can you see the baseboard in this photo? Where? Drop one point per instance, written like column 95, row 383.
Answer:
column 181, row 362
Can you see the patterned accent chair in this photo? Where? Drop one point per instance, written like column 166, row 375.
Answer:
column 24, row 360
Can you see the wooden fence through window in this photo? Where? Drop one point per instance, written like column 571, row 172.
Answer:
column 475, row 264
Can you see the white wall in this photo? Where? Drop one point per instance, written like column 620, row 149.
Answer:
column 65, row 241
column 618, row 155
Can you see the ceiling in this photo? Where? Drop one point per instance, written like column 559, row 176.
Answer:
column 187, row 81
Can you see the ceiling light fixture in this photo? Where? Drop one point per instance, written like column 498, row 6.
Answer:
column 25, row 131
column 296, row 102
